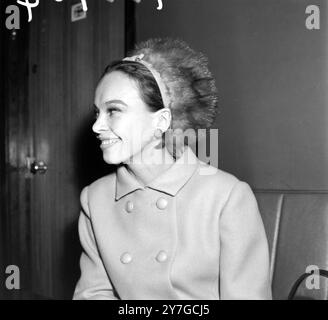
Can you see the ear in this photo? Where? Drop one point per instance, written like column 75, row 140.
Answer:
column 163, row 119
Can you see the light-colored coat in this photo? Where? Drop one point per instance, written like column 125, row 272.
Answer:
column 187, row 235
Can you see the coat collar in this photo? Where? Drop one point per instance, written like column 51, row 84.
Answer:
column 169, row 182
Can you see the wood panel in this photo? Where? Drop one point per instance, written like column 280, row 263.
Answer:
column 2, row 152
column 68, row 59
column 51, row 71
column 15, row 188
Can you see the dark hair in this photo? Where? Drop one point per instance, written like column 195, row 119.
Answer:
column 149, row 90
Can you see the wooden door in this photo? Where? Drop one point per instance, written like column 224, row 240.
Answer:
column 15, row 144
column 65, row 60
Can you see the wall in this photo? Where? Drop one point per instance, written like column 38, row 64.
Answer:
column 2, row 161
column 50, row 73
column 272, row 77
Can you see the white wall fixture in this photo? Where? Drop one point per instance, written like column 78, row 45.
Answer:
column 77, row 12
column 160, row 3
column 84, row 5
column 83, row 2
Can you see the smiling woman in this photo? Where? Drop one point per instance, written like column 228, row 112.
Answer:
column 124, row 121
column 157, row 228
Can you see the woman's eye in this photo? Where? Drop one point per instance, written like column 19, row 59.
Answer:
column 112, row 111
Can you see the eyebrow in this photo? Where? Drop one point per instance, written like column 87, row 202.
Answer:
column 107, row 103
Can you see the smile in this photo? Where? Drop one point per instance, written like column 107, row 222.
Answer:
column 109, row 142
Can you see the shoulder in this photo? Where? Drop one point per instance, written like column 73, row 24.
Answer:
column 221, row 182
column 238, row 199
column 214, row 177
column 210, row 173
column 102, row 185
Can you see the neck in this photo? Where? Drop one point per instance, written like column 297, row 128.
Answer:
column 150, row 163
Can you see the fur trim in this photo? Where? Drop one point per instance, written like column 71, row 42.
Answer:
column 189, row 83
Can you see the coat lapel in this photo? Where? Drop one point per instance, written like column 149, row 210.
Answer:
column 170, row 182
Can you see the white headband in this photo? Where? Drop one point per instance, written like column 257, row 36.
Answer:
column 156, row 75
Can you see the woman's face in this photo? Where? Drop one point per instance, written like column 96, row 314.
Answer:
column 124, row 124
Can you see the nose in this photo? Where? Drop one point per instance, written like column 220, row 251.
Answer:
column 100, row 125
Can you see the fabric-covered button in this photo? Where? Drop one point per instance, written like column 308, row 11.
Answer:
column 129, row 206
column 161, row 203
column 162, row 256
column 126, row 258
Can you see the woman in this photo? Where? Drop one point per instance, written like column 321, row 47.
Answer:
column 158, row 227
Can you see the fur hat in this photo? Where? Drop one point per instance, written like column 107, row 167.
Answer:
column 189, row 84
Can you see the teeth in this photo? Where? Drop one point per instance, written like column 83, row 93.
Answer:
column 109, row 142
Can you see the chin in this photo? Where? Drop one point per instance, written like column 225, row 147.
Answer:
column 117, row 157
column 114, row 158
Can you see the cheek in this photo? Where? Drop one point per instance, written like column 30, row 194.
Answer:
column 121, row 126
column 134, row 128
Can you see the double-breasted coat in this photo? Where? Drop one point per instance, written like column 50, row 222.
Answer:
column 195, row 232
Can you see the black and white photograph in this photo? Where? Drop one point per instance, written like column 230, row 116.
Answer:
column 163, row 150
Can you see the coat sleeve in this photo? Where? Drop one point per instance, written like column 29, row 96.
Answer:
column 244, row 254
column 94, row 283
